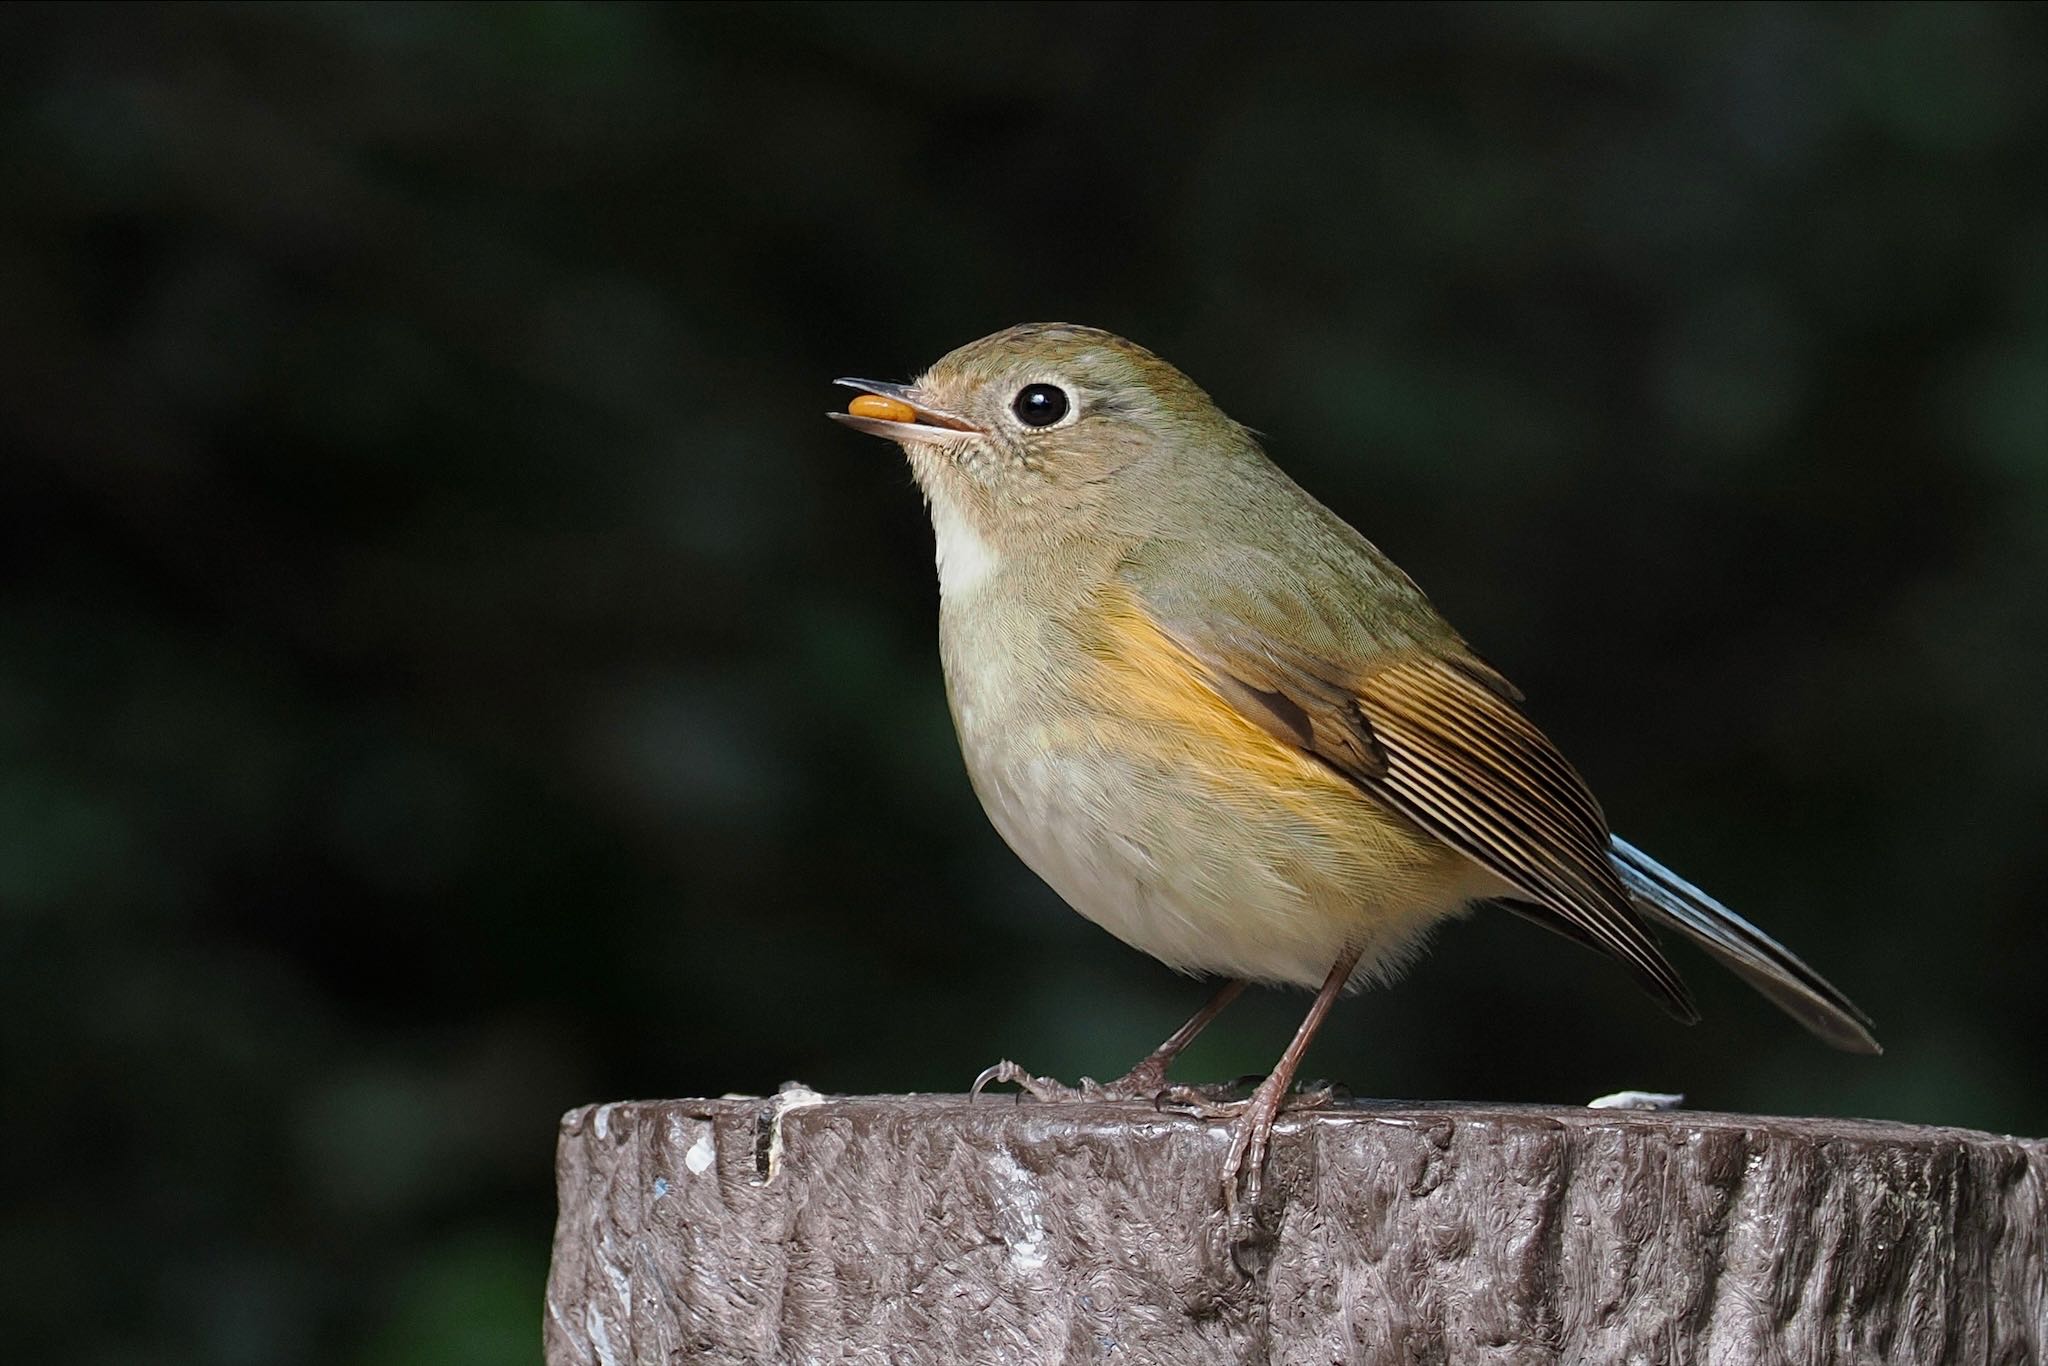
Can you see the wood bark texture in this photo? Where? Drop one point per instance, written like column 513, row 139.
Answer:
column 914, row 1229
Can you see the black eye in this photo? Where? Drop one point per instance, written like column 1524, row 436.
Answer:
column 1040, row 405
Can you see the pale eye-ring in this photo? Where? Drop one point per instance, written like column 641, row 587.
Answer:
column 1040, row 405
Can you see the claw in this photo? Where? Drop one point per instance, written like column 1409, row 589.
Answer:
column 1038, row 1088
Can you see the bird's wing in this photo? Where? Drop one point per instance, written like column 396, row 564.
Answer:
column 1405, row 712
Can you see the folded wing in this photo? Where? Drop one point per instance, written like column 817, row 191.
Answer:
column 1437, row 736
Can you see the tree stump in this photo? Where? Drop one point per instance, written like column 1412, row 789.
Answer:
column 914, row 1229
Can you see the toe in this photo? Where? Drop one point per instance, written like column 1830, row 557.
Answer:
column 1038, row 1088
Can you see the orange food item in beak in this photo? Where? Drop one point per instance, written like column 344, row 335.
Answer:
column 887, row 409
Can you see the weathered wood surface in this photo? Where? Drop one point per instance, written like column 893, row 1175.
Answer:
column 920, row 1229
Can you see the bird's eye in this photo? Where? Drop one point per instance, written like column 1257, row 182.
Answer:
column 1040, row 405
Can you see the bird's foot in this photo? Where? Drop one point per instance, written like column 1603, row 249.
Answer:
column 1146, row 1082
column 1212, row 1100
column 1244, row 1167
column 1228, row 1099
column 1038, row 1088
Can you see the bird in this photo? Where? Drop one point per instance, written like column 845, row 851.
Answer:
column 1225, row 727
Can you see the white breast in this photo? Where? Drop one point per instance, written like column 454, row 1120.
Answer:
column 965, row 559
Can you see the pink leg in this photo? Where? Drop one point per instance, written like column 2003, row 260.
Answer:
column 1148, row 1078
column 1255, row 1121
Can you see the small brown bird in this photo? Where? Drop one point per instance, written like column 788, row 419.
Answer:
column 1226, row 728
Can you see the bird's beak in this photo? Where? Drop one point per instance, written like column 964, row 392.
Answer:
column 900, row 414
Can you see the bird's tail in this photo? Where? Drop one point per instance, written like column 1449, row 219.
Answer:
column 1770, row 967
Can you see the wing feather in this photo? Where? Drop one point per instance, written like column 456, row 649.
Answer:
column 1438, row 737
column 1468, row 767
column 1305, row 628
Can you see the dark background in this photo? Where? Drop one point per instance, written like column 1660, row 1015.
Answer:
column 451, row 672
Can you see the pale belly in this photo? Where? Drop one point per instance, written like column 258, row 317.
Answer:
column 1199, row 867
column 1158, row 812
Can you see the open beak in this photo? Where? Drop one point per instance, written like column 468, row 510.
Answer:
column 902, row 416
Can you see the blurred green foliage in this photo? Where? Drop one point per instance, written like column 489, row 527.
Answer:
column 449, row 672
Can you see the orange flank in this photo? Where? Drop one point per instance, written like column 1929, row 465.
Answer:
column 1154, row 698
column 1149, row 680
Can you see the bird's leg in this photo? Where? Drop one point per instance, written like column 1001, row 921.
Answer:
column 1255, row 1117
column 1143, row 1082
column 1148, row 1078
